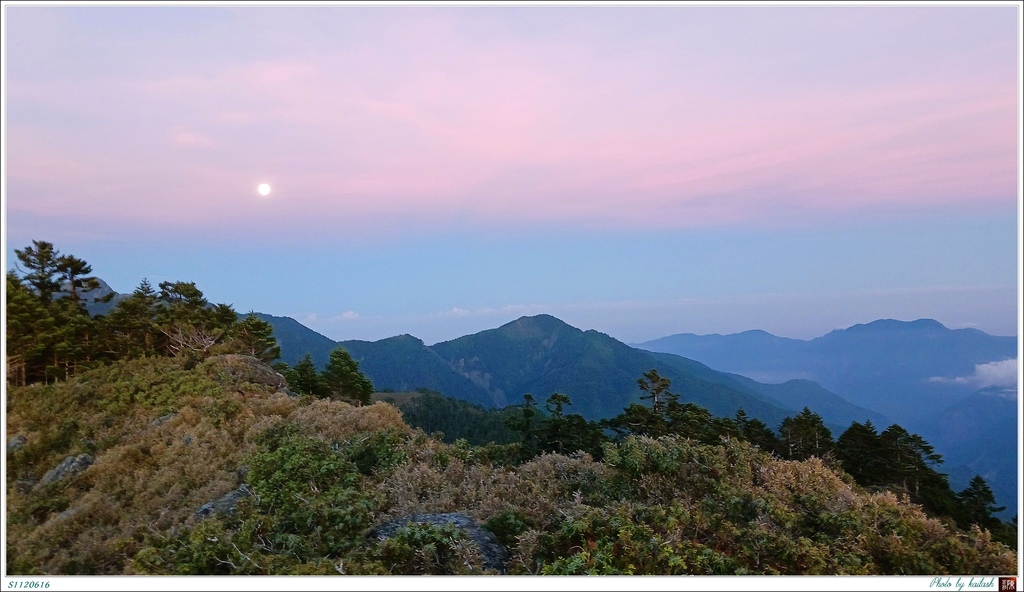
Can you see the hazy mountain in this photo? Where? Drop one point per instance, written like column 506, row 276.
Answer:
column 984, row 429
column 96, row 299
column 920, row 374
column 893, row 367
column 796, row 394
column 799, row 393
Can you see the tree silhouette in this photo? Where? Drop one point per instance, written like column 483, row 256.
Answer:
column 41, row 262
column 978, row 505
column 805, row 436
column 343, row 379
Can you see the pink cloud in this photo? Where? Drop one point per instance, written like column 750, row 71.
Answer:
column 187, row 138
column 429, row 115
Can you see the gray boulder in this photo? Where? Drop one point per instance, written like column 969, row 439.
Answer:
column 68, row 467
column 493, row 552
column 16, row 442
column 241, row 369
column 226, row 504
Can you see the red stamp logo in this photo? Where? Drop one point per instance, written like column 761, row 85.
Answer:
column 1008, row 584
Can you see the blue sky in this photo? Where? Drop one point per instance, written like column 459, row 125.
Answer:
column 439, row 171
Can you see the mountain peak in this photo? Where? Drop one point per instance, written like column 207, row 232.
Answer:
column 542, row 323
column 895, row 325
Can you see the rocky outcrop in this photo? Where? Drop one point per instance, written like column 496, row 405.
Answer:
column 16, row 442
column 226, row 504
column 493, row 552
column 68, row 467
column 241, row 369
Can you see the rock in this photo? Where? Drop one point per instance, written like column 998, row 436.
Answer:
column 161, row 420
column 68, row 467
column 226, row 504
column 246, row 369
column 16, row 442
column 24, row 486
column 494, row 553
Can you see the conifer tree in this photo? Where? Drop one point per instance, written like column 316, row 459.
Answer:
column 693, row 421
column 638, row 420
column 190, row 326
column 805, row 436
column 641, row 420
column 130, row 329
column 304, row 379
column 566, row 433
column 908, row 458
column 75, row 273
column 757, row 432
column 525, row 424
column 861, row 453
column 343, row 379
column 73, row 346
column 41, row 263
column 255, row 337
column 978, row 504
column 29, row 333
column 657, row 391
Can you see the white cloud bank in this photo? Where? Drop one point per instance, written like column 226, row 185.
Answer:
column 1001, row 374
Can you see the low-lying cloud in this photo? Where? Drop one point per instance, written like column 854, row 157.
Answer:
column 1001, row 374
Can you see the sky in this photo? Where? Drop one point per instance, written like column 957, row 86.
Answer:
column 438, row 171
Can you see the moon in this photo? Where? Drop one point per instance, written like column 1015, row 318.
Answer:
column 264, row 189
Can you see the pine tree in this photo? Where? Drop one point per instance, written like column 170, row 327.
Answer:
column 657, row 391
column 525, row 424
column 757, row 433
column 344, row 380
column 860, row 451
column 805, row 436
column 190, row 326
column 304, row 379
column 908, row 463
column 73, row 347
column 255, row 337
column 978, row 504
column 75, row 273
column 907, row 457
column 638, row 420
column 566, row 433
column 693, row 421
column 130, row 330
column 651, row 421
column 41, row 262
column 30, row 333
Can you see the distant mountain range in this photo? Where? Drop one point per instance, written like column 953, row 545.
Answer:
column 949, row 385
column 894, row 367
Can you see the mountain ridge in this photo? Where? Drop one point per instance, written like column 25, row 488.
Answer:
column 542, row 354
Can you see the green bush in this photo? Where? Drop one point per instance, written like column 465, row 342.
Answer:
column 507, row 525
column 423, row 549
column 374, row 452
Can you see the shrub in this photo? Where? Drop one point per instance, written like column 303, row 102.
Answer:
column 427, row 549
